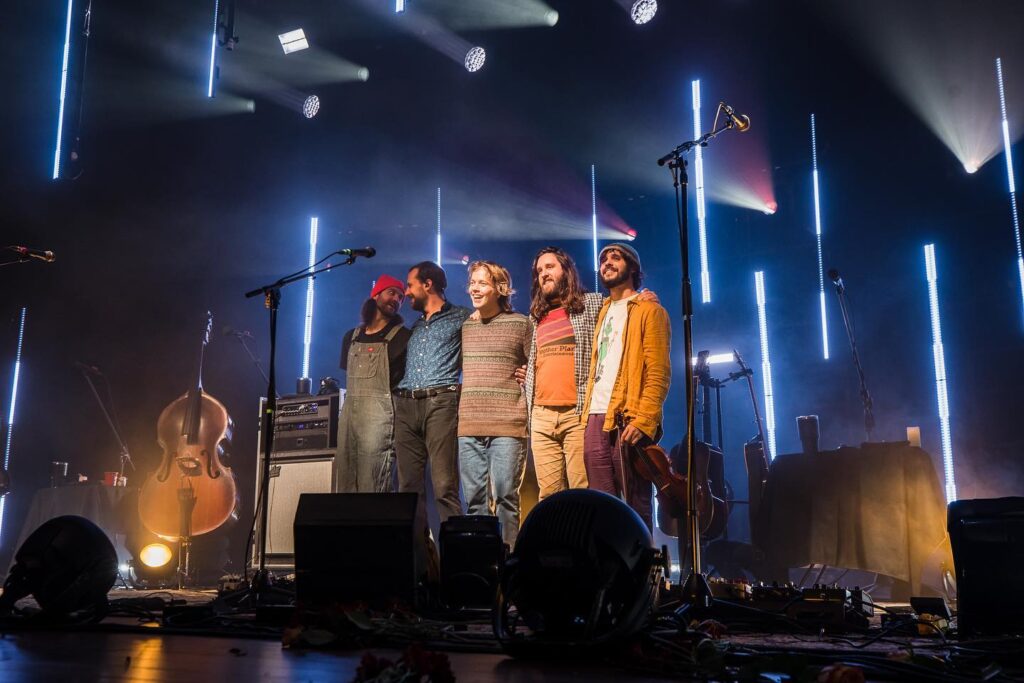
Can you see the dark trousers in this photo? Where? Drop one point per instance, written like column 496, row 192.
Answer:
column 426, row 431
column 605, row 471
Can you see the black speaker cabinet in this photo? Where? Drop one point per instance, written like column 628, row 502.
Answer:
column 472, row 554
column 355, row 547
column 988, row 552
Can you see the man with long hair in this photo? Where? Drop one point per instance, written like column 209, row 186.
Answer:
column 630, row 370
column 563, row 315
column 373, row 358
column 492, row 412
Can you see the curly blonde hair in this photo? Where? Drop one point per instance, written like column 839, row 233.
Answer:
column 500, row 280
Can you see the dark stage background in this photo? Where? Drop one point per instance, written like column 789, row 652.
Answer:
column 178, row 211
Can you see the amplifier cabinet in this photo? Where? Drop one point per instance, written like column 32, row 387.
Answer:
column 305, row 439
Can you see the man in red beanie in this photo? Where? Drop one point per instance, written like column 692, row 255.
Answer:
column 373, row 358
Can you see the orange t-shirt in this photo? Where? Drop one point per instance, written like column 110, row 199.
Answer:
column 555, row 383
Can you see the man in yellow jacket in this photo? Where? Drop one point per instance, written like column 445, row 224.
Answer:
column 630, row 371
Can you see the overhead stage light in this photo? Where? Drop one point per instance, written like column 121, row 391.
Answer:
column 970, row 167
column 643, row 11
column 770, row 208
column 475, row 59
column 293, row 41
column 551, row 17
column 311, row 106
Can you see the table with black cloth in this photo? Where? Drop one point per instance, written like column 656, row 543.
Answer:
column 877, row 508
column 112, row 508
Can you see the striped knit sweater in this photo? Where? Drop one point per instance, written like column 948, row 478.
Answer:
column 492, row 402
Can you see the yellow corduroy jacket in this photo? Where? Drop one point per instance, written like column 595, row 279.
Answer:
column 644, row 372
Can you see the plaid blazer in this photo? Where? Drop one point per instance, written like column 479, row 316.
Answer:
column 583, row 326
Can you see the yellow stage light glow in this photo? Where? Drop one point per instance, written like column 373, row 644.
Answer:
column 155, row 555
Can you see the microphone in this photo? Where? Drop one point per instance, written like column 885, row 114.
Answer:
column 740, row 122
column 232, row 332
column 833, row 275
column 365, row 252
column 42, row 254
column 90, row 369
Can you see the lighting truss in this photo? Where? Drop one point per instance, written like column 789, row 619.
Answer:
column 10, row 411
column 593, row 219
column 939, row 356
column 293, row 41
column 307, row 335
column 1009, row 176
column 63, row 92
column 817, row 232
column 439, row 227
column 213, row 48
column 698, row 165
column 766, row 365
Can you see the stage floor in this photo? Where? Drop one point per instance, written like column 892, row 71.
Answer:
column 128, row 646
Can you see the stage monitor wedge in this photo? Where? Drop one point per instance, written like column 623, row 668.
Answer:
column 355, row 548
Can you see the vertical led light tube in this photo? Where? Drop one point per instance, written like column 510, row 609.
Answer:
column 213, row 48
column 766, row 365
column 10, row 412
column 931, row 272
column 593, row 220
column 439, row 228
column 1009, row 176
column 817, row 232
column 698, row 165
column 307, row 336
column 399, row 6
column 63, row 92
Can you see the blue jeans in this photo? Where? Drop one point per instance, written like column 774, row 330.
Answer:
column 492, row 469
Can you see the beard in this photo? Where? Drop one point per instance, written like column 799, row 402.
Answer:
column 615, row 278
column 554, row 295
column 418, row 305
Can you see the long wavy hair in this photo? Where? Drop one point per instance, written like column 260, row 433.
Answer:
column 570, row 289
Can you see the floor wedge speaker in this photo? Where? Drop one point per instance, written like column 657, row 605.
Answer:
column 355, row 547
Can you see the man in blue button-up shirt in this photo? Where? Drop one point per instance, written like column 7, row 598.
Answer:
column 427, row 398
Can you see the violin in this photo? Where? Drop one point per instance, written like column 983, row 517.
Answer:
column 652, row 463
column 193, row 432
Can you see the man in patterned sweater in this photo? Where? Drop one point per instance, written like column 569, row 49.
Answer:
column 492, row 410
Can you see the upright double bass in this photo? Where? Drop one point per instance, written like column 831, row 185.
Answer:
column 193, row 431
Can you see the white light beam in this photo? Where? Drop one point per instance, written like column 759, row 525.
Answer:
column 817, row 232
column 939, row 357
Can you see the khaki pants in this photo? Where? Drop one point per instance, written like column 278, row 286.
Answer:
column 556, row 437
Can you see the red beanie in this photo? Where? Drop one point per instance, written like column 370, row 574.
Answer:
column 384, row 282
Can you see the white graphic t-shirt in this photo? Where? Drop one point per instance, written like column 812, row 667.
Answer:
column 609, row 354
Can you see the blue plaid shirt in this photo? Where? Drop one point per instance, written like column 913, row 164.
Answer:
column 434, row 354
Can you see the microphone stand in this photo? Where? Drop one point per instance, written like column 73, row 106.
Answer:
column 865, row 396
column 125, row 455
column 696, row 594
column 261, row 588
